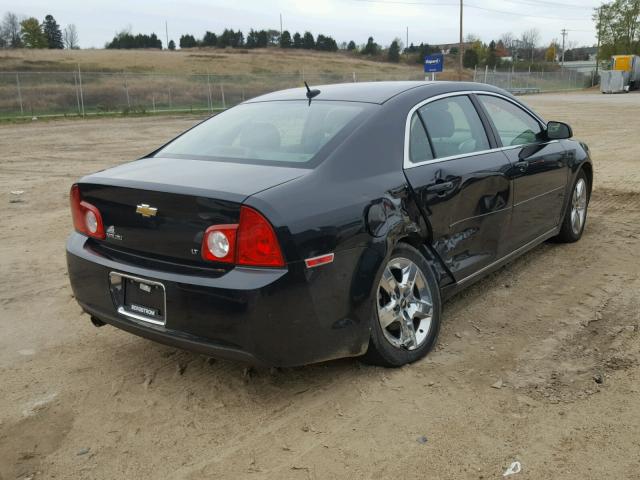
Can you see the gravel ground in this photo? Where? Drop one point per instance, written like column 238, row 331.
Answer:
column 537, row 363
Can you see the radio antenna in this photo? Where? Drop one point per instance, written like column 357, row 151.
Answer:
column 311, row 93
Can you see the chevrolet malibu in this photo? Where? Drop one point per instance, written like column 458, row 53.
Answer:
column 307, row 225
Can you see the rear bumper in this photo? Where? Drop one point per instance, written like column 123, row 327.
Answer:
column 275, row 317
column 176, row 338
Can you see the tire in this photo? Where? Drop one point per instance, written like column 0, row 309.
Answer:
column 575, row 217
column 408, row 309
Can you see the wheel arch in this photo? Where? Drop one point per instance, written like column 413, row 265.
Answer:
column 443, row 276
column 588, row 171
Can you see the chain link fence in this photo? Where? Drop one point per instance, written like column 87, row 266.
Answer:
column 536, row 82
column 34, row 94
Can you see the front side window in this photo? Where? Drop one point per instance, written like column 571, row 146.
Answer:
column 514, row 125
column 454, row 126
column 285, row 132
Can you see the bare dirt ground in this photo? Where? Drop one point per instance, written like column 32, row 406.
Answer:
column 556, row 331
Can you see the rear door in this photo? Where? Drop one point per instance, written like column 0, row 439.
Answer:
column 539, row 169
column 460, row 181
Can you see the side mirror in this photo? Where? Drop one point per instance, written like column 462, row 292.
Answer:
column 558, row 131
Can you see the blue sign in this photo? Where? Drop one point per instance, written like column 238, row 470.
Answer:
column 434, row 63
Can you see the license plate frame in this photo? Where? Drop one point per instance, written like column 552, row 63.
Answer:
column 134, row 306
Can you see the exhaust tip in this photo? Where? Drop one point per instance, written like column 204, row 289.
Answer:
column 97, row 323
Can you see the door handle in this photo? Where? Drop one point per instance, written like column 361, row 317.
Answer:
column 440, row 187
column 521, row 165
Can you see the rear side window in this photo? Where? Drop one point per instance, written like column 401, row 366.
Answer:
column 290, row 132
column 419, row 148
column 454, row 127
column 513, row 124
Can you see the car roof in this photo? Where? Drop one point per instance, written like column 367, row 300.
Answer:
column 368, row 92
column 371, row 92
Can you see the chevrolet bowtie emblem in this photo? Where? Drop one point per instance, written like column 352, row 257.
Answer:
column 146, row 211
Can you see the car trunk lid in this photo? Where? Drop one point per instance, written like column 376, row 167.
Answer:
column 161, row 207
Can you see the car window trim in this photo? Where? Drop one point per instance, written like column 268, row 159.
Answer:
column 540, row 122
column 486, row 121
column 426, row 132
column 407, row 129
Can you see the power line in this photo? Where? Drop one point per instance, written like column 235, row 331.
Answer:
column 400, row 2
column 534, row 3
column 520, row 14
column 537, row 3
column 504, row 12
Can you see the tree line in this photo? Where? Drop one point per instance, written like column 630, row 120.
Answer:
column 618, row 28
column 273, row 38
column 306, row 41
column 29, row 32
column 524, row 50
column 125, row 39
column 259, row 39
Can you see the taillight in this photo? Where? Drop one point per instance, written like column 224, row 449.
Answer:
column 257, row 242
column 252, row 242
column 219, row 243
column 86, row 217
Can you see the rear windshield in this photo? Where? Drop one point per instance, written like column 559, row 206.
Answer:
column 285, row 132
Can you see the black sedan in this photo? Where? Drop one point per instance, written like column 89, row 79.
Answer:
column 307, row 225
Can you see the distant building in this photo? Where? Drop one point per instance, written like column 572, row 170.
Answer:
column 445, row 48
column 582, row 66
column 583, row 54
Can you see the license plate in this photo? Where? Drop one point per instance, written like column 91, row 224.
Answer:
column 139, row 298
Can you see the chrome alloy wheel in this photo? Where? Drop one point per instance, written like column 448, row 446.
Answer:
column 578, row 206
column 405, row 305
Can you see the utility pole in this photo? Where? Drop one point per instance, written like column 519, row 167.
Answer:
column 407, row 44
column 280, row 25
column 460, row 47
column 533, row 49
column 564, row 34
column 81, row 94
column 166, row 32
column 599, row 33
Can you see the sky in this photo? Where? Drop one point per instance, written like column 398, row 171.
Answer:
column 429, row 21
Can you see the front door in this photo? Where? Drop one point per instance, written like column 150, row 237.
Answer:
column 460, row 181
column 539, row 170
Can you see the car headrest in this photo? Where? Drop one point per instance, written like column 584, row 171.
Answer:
column 260, row 135
column 439, row 122
column 336, row 119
